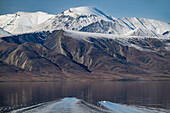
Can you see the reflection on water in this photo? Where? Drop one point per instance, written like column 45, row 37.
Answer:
column 144, row 93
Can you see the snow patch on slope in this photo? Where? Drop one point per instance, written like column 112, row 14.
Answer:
column 121, row 39
column 3, row 32
column 167, row 47
column 83, row 35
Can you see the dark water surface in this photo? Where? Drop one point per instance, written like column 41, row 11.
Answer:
column 142, row 93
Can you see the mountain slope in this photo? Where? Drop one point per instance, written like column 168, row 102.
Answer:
column 72, row 55
column 148, row 27
column 21, row 22
column 90, row 19
column 3, row 32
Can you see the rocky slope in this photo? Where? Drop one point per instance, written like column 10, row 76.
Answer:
column 70, row 55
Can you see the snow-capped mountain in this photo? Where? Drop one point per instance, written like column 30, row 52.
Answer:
column 21, row 22
column 88, row 19
column 74, row 12
column 145, row 27
column 91, row 19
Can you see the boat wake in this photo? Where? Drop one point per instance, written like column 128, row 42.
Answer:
column 74, row 105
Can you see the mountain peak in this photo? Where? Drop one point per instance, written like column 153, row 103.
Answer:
column 84, row 10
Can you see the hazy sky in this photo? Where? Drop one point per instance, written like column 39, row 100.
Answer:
column 154, row 9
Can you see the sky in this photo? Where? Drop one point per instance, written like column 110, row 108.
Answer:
column 153, row 9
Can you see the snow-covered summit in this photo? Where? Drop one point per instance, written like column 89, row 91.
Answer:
column 82, row 11
column 20, row 22
column 78, row 11
column 88, row 19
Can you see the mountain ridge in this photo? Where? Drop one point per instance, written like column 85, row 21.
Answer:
column 91, row 19
column 20, row 22
column 63, row 55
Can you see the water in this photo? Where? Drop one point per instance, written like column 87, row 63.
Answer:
column 155, row 94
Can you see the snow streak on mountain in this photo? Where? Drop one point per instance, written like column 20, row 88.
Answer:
column 3, row 32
